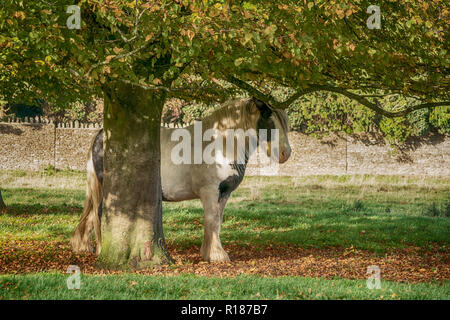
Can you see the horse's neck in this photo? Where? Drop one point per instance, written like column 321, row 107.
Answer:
column 235, row 119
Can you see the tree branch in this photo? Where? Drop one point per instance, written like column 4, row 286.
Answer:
column 154, row 88
column 172, row 90
column 315, row 87
column 117, row 57
column 253, row 91
column 136, row 27
column 138, row 19
column 295, row 96
column 377, row 107
column 268, row 98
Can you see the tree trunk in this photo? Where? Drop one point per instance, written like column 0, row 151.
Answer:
column 2, row 204
column 132, row 234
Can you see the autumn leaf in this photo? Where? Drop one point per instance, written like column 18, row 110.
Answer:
column 109, row 58
column 19, row 14
column 117, row 50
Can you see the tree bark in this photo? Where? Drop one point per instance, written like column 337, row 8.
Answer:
column 2, row 204
column 132, row 233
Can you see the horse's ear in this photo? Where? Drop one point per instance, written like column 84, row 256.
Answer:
column 259, row 104
column 263, row 108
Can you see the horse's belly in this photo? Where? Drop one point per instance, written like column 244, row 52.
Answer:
column 171, row 194
column 176, row 183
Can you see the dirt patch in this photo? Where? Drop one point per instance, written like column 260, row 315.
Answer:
column 412, row 264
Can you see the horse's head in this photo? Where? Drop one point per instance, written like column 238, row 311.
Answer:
column 274, row 119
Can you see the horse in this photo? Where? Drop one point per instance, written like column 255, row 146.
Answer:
column 211, row 183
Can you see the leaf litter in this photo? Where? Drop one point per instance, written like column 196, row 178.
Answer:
column 410, row 264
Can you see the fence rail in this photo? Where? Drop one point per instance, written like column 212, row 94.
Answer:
column 70, row 124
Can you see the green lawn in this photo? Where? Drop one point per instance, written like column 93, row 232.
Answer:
column 376, row 213
column 130, row 286
column 311, row 212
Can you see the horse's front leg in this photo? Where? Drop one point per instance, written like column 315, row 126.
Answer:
column 211, row 249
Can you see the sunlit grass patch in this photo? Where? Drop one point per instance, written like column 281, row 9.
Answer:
column 366, row 212
column 128, row 286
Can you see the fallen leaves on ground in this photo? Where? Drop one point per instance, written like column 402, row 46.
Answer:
column 411, row 264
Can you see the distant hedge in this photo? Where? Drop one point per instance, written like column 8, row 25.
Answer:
column 315, row 114
column 320, row 113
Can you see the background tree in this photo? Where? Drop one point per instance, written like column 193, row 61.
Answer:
column 137, row 54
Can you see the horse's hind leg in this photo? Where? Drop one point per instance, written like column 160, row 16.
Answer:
column 80, row 240
column 211, row 249
column 81, row 235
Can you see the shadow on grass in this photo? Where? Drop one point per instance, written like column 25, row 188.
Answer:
column 44, row 197
column 306, row 222
column 353, row 225
column 16, row 209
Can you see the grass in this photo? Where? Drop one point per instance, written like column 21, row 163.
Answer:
column 130, row 286
column 376, row 213
column 366, row 212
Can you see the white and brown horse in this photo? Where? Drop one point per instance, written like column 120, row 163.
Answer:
column 211, row 183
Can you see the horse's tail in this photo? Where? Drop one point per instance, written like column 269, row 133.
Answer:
column 90, row 218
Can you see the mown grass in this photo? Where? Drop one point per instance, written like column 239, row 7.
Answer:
column 366, row 212
column 373, row 216
column 377, row 213
column 130, row 286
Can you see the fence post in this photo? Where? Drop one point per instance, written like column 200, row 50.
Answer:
column 346, row 153
column 54, row 143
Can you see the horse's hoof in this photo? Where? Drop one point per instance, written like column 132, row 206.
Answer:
column 216, row 255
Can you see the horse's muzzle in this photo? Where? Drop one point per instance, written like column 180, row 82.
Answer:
column 284, row 155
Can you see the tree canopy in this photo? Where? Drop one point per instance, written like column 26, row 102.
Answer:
column 187, row 47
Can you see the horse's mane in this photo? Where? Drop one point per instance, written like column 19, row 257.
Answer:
column 234, row 114
column 238, row 114
column 282, row 116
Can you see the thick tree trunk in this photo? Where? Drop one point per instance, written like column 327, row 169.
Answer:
column 2, row 204
column 132, row 232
